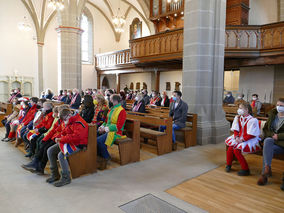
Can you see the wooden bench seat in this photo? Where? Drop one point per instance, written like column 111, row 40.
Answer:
column 85, row 161
column 5, row 110
column 129, row 148
column 163, row 139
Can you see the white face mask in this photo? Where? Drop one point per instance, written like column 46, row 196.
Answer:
column 136, row 98
column 280, row 109
column 241, row 112
column 239, row 98
column 228, row 95
column 68, row 93
column 254, row 98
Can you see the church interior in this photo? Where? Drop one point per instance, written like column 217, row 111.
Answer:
column 218, row 63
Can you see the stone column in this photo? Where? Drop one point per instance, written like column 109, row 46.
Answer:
column 69, row 45
column 281, row 10
column 40, row 66
column 117, row 83
column 203, row 67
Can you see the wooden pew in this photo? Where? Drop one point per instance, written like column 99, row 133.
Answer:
column 5, row 110
column 85, row 161
column 129, row 148
column 163, row 139
column 190, row 131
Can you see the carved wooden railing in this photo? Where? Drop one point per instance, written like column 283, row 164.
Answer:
column 240, row 42
column 162, row 46
column 112, row 59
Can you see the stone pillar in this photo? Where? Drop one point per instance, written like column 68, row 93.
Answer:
column 203, row 67
column 281, row 10
column 40, row 66
column 69, row 45
column 157, row 75
column 117, row 83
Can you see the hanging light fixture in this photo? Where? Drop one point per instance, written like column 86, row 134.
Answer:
column 118, row 22
column 56, row 4
column 24, row 25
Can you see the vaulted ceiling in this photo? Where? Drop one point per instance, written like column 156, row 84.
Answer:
column 41, row 14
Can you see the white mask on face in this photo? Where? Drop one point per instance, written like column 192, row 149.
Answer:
column 136, row 98
column 254, row 98
column 239, row 97
column 280, row 109
column 241, row 112
column 228, row 95
column 68, row 93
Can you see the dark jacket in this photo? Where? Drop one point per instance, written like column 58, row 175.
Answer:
column 179, row 113
column 87, row 114
column 268, row 131
column 229, row 100
column 123, row 103
column 77, row 102
column 141, row 108
column 146, row 99
column 166, row 102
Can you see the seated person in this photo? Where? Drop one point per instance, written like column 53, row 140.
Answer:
column 155, row 100
column 21, row 130
column 108, row 93
column 146, row 97
column 40, row 159
column 112, row 128
column 229, row 99
column 64, row 97
column 240, row 99
column 75, row 100
column 256, row 104
column 165, row 100
column 23, row 108
column 245, row 139
column 16, row 93
column 123, row 99
column 8, row 119
column 178, row 111
column 139, row 104
column 273, row 131
column 48, row 94
column 88, row 109
column 101, row 110
column 72, row 138
column 39, row 129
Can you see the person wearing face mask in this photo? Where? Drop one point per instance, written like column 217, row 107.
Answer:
column 229, row 99
column 76, row 99
column 88, row 110
column 240, row 99
column 8, row 119
column 123, row 99
column 273, row 143
column 45, row 141
column 165, row 100
column 255, row 104
column 101, row 110
column 22, row 128
column 245, row 139
column 72, row 138
column 108, row 93
column 155, row 100
column 46, row 122
column 64, row 97
column 69, row 96
column 139, row 104
column 112, row 129
column 178, row 111
column 16, row 93
column 146, row 98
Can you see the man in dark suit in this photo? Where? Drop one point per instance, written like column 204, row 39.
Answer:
column 178, row 110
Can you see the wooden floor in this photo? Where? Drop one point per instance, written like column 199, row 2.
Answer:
column 218, row 191
column 146, row 152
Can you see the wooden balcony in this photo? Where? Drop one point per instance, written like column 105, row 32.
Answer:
column 244, row 46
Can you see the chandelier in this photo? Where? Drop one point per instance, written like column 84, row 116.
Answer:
column 56, row 4
column 24, row 26
column 118, row 22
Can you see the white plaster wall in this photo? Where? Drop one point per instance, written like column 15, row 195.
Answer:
column 18, row 50
column 126, row 79
column 258, row 80
column 89, row 76
column 263, row 12
column 172, row 77
column 50, row 58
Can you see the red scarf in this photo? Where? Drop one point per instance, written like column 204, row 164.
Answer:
column 253, row 104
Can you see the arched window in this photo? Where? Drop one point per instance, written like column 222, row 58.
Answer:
column 87, row 37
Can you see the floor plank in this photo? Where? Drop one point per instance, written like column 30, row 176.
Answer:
column 218, row 191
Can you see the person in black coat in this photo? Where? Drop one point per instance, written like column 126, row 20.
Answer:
column 88, row 110
column 75, row 100
column 139, row 104
column 165, row 100
column 229, row 99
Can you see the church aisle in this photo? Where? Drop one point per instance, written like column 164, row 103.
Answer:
column 105, row 191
